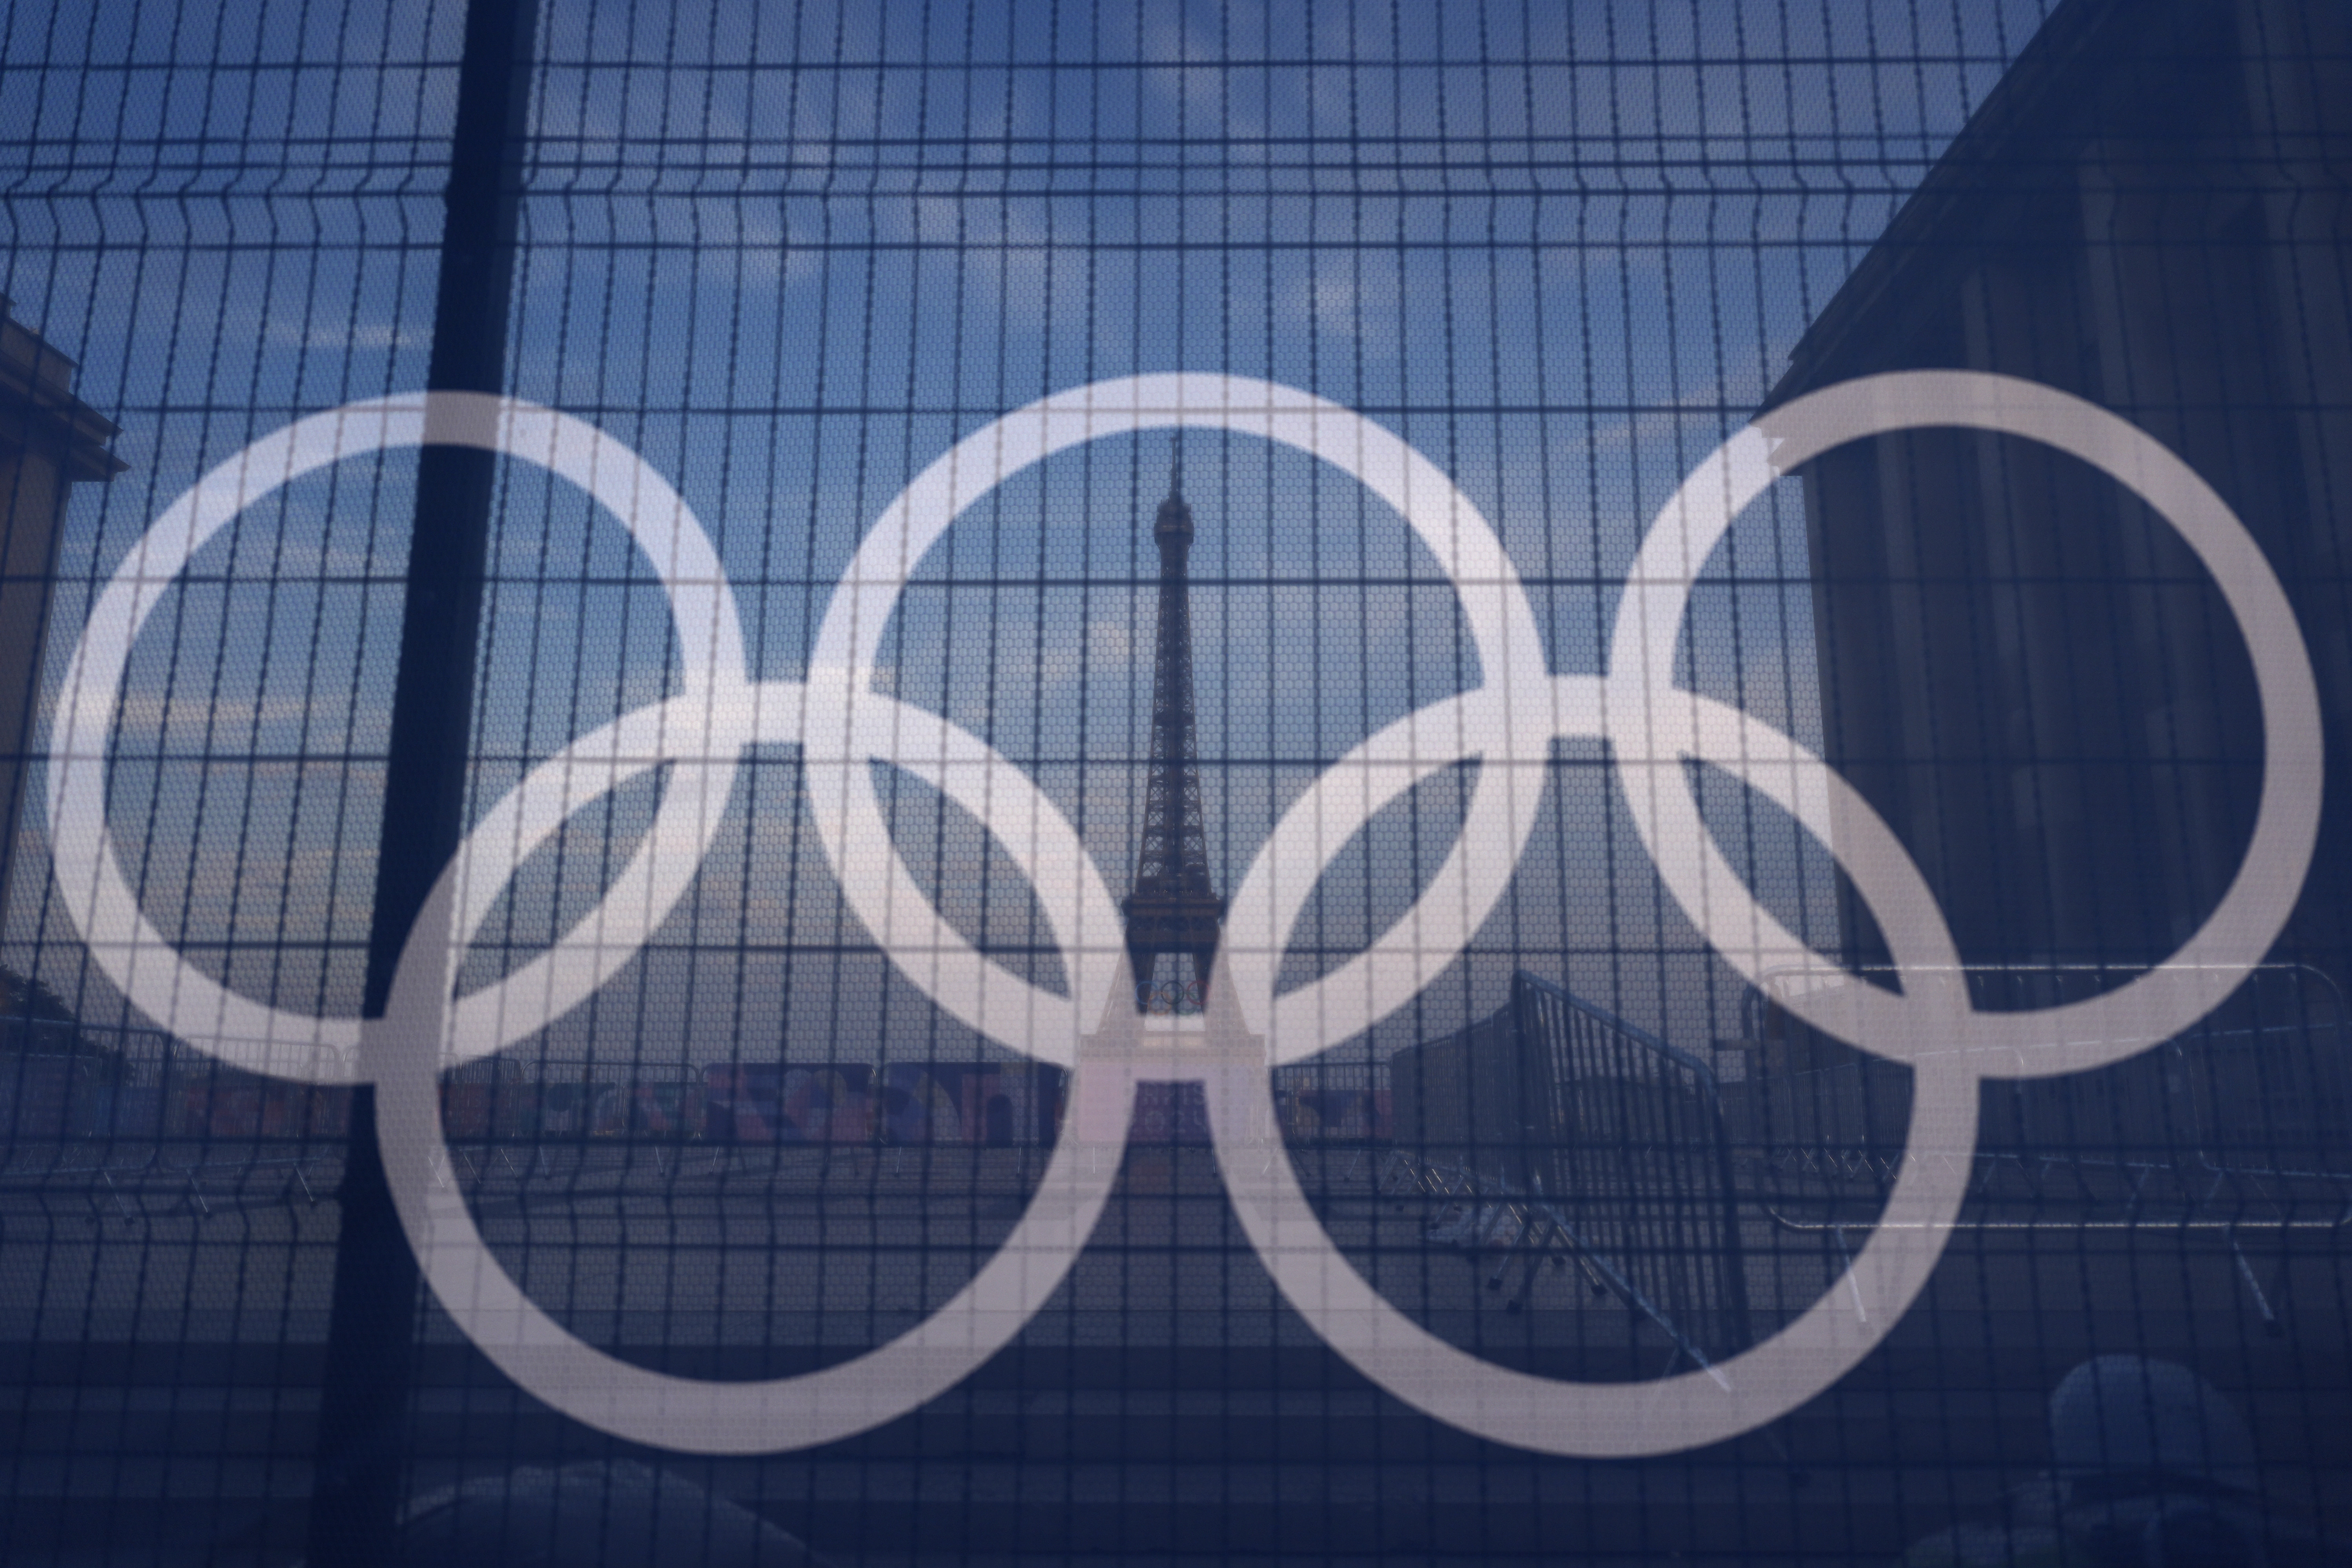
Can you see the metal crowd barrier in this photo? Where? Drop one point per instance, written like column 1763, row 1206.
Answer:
column 129, row 1124
column 2238, row 1129
column 1556, row 1131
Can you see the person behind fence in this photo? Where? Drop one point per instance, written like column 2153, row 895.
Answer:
column 2150, row 1468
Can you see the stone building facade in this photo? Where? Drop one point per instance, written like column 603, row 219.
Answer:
column 2023, row 670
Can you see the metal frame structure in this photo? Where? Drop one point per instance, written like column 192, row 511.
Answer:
column 1174, row 913
column 1619, row 1160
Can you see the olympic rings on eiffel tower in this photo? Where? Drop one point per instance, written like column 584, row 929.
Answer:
column 1651, row 728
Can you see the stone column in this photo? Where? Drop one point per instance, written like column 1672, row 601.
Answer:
column 48, row 440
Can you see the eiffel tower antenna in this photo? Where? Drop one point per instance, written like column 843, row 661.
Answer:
column 1173, row 914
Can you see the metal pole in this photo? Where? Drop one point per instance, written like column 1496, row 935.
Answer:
column 355, row 1496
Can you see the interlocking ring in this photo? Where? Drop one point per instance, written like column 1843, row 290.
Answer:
column 1652, row 727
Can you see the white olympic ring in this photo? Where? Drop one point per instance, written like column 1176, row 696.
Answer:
column 1508, row 723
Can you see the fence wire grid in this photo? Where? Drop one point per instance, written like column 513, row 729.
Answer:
column 1666, row 1178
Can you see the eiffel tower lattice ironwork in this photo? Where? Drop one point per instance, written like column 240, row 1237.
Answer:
column 1173, row 914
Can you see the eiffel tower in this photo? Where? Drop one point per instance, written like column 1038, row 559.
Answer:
column 1173, row 914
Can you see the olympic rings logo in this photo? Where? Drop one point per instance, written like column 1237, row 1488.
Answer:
column 841, row 724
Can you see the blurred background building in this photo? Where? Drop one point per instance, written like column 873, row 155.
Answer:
column 2027, row 674
column 49, row 441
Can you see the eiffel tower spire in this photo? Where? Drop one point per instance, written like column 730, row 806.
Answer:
column 1172, row 913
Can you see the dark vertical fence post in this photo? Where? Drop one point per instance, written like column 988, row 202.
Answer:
column 364, row 1404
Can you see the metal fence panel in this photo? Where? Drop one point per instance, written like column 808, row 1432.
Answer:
column 1636, row 619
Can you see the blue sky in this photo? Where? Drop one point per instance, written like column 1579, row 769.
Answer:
column 792, row 256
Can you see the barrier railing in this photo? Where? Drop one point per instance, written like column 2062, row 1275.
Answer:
column 2239, row 1128
column 1557, row 1130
